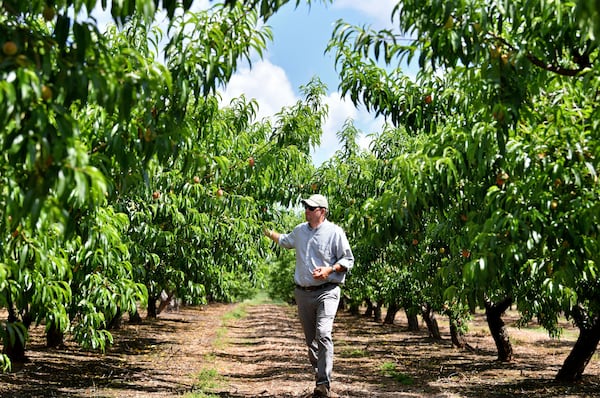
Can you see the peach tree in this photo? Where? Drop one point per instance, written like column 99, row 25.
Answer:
column 86, row 116
column 506, row 100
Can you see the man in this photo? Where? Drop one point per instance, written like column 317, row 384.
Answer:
column 323, row 257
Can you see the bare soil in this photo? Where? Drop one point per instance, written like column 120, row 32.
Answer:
column 256, row 350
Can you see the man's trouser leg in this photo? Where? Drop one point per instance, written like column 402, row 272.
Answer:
column 316, row 310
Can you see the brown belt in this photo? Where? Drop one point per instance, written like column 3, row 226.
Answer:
column 317, row 287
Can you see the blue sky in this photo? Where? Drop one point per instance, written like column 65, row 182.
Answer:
column 300, row 36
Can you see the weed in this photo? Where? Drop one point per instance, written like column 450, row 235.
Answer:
column 208, row 379
column 201, row 395
column 238, row 312
column 355, row 353
column 389, row 369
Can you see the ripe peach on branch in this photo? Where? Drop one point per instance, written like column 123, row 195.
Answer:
column 9, row 48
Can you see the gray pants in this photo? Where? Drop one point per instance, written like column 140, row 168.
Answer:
column 316, row 310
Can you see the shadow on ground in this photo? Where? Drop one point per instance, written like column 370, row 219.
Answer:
column 375, row 360
column 263, row 355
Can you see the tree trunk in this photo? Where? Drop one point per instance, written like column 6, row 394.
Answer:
column 456, row 334
column 354, row 308
column 390, row 315
column 498, row 330
column 581, row 353
column 14, row 349
column 116, row 322
column 377, row 313
column 413, row 321
column 54, row 336
column 134, row 317
column 369, row 309
column 431, row 322
column 152, row 307
column 164, row 302
column 343, row 303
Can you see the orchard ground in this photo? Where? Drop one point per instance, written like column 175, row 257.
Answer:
column 255, row 349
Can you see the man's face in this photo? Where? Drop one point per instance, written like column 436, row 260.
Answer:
column 312, row 214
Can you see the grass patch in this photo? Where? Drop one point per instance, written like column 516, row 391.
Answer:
column 389, row 369
column 220, row 340
column 354, row 353
column 208, row 379
column 238, row 312
column 201, row 395
column 262, row 297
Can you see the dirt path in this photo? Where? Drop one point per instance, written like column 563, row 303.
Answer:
column 249, row 351
column 265, row 357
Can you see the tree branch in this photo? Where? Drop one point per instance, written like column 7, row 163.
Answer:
column 555, row 68
column 582, row 61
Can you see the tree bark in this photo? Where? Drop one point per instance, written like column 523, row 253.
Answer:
column 354, row 308
column 581, row 353
column 134, row 317
column 377, row 316
column 116, row 322
column 152, row 307
column 413, row 321
column 54, row 337
column 164, row 302
column 431, row 322
column 14, row 350
column 369, row 309
column 498, row 330
column 456, row 335
column 390, row 315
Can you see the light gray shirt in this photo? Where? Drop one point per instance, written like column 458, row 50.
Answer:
column 323, row 246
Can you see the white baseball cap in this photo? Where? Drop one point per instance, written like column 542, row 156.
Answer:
column 316, row 200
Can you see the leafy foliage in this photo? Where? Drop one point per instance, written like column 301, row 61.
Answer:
column 122, row 175
column 503, row 172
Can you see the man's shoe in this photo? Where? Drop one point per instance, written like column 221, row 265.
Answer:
column 321, row 391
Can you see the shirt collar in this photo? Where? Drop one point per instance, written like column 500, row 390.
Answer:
column 317, row 227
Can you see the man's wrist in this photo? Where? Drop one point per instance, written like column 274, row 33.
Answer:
column 338, row 268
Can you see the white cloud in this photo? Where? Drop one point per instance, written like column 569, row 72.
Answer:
column 380, row 10
column 200, row 5
column 268, row 84
column 340, row 111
